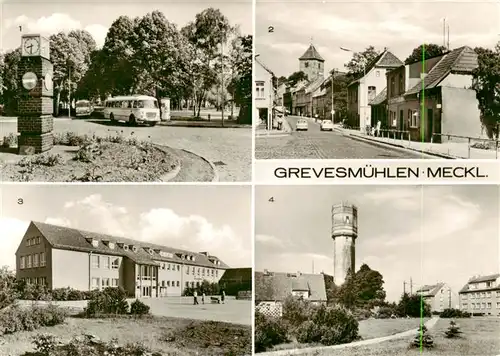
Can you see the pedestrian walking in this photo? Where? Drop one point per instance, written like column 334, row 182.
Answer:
column 203, row 298
column 280, row 122
column 195, row 298
column 222, row 296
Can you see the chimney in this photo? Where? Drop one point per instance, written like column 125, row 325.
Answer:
column 266, row 272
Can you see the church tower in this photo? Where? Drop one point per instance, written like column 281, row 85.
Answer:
column 312, row 64
column 344, row 235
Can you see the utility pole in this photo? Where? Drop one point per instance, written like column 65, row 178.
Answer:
column 448, row 44
column 69, row 92
column 404, row 287
column 411, row 286
column 444, row 32
column 313, row 267
column 222, row 80
column 333, row 109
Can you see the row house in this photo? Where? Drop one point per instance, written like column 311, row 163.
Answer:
column 438, row 296
column 364, row 89
column 299, row 99
column 422, row 98
column 272, row 288
column 60, row 257
column 264, row 95
column 481, row 295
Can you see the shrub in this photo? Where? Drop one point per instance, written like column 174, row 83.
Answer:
column 16, row 318
column 139, row 308
column 454, row 313
column 49, row 160
column 108, row 301
column 385, row 313
column 296, row 311
column 268, row 332
column 44, row 344
column 329, row 326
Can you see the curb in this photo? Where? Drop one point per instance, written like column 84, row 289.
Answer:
column 214, row 169
column 393, row 145
column 171, row 175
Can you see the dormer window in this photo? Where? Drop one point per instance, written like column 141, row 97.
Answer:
column 95, row 243
column 133, row 248
column 111, row 245
column 125, row 247
column 158, row 251
column 120, row 244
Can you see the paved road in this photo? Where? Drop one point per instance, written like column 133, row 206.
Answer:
column 327, row 145
column 229, row 149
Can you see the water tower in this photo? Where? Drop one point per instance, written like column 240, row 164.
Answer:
column 344, row 234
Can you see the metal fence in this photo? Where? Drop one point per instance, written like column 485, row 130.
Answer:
column 472, row 142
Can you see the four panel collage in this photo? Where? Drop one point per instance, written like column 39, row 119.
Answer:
column 268, row 177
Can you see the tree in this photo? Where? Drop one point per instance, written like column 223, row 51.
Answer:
column 486, row 83
column 241, row 84
column 10, row 80
column 8, row 287
column 361, row 60
column 296, row 77
column 209, row 31
column 340, row 83
column 347, row 293
column 411, row 305
column 282, row 80
column 369, row 286
column 425, row 51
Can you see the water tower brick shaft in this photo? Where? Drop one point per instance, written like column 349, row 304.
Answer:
column 344, row 234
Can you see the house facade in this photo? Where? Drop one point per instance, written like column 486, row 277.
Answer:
column 438, row 296
column 481, row 295
column 433, row 99
column 263, row 97
column 272, row 288
column 363, row 90
column 60, row 257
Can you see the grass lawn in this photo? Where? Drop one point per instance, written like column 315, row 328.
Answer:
column 481, row 337
column 170, row 336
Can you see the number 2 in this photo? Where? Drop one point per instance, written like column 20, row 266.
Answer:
column 271, row 199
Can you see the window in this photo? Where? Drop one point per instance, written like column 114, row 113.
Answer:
column 187, row 270
column 114, row 282
column 259, row 90
column 178, row 284
column 95, row 261
column 173, row 284
column 377, row 73
column 203, row 271
column 489, row 305
column 29, row 261
column 393, row 87
column 168, row 268
column 199, row 270
column 105, row 282
column 488, row 284
column 187, row 286
column 42, row 259
column 106, row 262
column 372, row 93
column 401, row 84
column 464, row 305
column 306, row 64
column 42, row 281
column 95, row 283
column 414, row 118
column 22, row 262
column 35, row 260
column 498, row 305
column 28, row 280
column 178, row 267
column 168, row 283
column 116, row 263
column 28, row 242
column 212, row 273
column 216, row 272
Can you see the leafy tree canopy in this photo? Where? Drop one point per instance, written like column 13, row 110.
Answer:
column 424, row 52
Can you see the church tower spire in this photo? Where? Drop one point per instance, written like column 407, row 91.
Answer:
column 311, row 63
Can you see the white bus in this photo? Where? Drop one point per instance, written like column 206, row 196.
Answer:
column 134, row 109
column 83, row 108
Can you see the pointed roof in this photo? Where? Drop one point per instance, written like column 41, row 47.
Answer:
column 479, row 279
column 462, row 60
column 384, row 60
column 430, row 290
column 276, row 286
column 380, row 98
column 311, row 53
column 66, row 238
column 264, row 66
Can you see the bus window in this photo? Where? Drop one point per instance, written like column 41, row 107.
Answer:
column 135, row 105
column 148, row 104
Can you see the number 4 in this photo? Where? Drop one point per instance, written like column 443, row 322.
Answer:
column 271, row 199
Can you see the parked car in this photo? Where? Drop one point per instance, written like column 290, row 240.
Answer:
column 326, row 125
column 302, row 125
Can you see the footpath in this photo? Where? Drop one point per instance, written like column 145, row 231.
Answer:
column 449, row 150
column 312, row 350
column 261, row 130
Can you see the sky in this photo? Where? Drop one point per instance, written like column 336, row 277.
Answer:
column 216, row 219
column 398, row 25
column 96, row 17
column 429, row 234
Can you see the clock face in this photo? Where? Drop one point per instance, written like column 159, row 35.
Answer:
column 48, row 81
column 31, row 45
column 29, row 80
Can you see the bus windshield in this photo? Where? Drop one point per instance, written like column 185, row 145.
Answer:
column 146, row 104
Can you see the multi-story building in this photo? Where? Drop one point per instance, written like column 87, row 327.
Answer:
column 272, row 288
column 61, row 257
column 363, row 90
column 264, row 95
column 481, row 295
column 438, row 296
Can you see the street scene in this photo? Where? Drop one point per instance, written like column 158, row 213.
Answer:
column 135, row 93
column 100, row 271
column 373, row 80
column 377, row 270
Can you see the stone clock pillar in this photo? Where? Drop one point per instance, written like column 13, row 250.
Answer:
column 35, row 122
